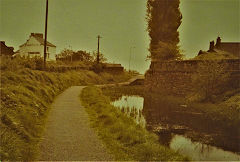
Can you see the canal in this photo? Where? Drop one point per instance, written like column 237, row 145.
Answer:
column 178, row 130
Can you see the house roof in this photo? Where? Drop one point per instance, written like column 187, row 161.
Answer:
column 231, row 47
column 41, row 41
column 39, row 38
column 221, row 50
column 5, row 50
column 215, row 55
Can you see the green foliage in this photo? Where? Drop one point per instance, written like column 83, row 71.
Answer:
column 102, row 59
column 68, row 55
column 26, row 96
column 17, row 63
column 36, row 63
column 39, row 63
column 123, row 138
column 166, row 51
column 82, row 56
column 164, row 19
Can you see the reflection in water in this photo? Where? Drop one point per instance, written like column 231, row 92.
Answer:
column 159, row 117
column 132, row 106
column 198, row 151
column 130, row 101
column 160, row 112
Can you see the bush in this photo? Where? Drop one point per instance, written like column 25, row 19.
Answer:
column 166, row 52
column 39, row 63
column 13, row 64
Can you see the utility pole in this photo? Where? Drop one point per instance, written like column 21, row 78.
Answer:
column 70, row 47
column 98, row 53
column 130, row 57
column 45, row 40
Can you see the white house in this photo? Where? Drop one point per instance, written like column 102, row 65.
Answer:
column 35, row 47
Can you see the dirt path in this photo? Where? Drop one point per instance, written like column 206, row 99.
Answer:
column 68, row 135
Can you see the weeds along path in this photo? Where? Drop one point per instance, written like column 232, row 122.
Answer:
column 68, row 135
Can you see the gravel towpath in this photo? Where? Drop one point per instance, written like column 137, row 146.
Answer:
column 68, row 135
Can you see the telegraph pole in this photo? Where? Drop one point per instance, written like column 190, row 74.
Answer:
column 98, row 53
column 70, row 47
column 130, row 57
column 45, row 40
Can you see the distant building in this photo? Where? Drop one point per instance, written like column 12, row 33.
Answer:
column 5, row 50
column 231, row 47
column 35, row 47
column 113, row 68
column 220, row 47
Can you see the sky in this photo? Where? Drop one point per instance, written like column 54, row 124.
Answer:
column 121, row 23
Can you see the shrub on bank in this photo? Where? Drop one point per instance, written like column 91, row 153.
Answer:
column 13, row 64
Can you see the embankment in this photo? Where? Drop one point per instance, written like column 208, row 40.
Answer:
column 26, row 96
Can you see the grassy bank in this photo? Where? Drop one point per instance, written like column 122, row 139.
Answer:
column 123, row 138
column 26, row 96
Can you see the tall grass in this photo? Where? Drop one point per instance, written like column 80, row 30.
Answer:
column 26, row 96
column 122, row 136
column 36, row 63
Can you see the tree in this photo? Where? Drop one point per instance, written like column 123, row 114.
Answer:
column 164, row 19
column 65, row 55
column 70, row 55
column 166, row 51
column 102, row 59
column 82, row 56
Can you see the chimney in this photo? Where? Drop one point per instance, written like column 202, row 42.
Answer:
column 211, row 47
column 37, row 35
column 218, row 41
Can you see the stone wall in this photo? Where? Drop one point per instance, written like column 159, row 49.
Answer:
column 175, row 77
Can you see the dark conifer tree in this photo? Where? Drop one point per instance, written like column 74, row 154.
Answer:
column 164, row 19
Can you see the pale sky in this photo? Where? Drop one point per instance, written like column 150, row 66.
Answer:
column 121, row 23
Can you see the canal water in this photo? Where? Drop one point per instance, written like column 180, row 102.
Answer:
column 170, row 134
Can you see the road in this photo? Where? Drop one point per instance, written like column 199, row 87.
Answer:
column 68, row 135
